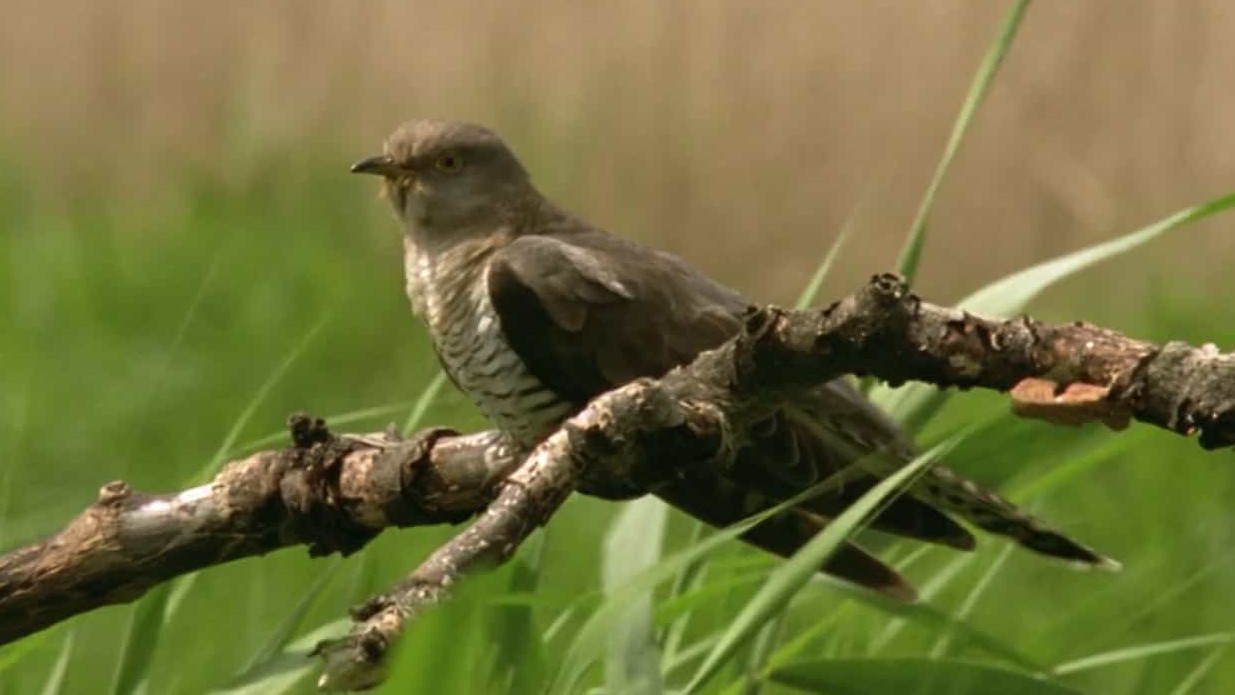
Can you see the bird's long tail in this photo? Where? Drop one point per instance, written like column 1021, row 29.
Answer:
column 948, row 491
column 852, row 436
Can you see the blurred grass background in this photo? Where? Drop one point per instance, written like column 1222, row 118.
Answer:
column 184, row 260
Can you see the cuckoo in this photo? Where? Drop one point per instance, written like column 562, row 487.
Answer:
column 533, row 312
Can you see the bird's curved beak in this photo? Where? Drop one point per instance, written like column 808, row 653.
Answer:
column 382, row 165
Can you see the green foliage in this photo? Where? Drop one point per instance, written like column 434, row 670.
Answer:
column 789, row 578
column 919, row 676
column 911, row 252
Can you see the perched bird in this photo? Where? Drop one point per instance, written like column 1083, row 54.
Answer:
column 534, row 312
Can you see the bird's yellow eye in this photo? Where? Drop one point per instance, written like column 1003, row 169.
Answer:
column 449, row 163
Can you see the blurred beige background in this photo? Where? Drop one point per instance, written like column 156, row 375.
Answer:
column 739, row 134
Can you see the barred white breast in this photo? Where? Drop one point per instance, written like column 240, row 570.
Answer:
column 451, row 293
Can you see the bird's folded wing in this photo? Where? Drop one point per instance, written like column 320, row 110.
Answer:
column 588, row 312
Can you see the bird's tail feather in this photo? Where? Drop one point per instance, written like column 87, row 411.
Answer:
column 943, row 488
column 858, row 434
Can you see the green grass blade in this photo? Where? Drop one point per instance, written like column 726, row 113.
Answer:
column 180, row 588
column 207, row 471
column 54, row 685
column 12, row 653
column 911, row 675
column 712, row 592
column 146, row 621
column 1013, row 293
column 765, row 642
column 520, row 659
column 938, row 581
column 940, row 649
column 16, row 428
column 163, row 371
column 1068, row 471
column 787, row 579
column 425, row 401
column 286, row 671
column 564, row 616
column 915, row 403
column 1141, row 651
column 686, row 582
column 1163, row 599
column 911, row 252
column 159, row 607
column 1198, row 673
column 633, row 545
column 912, row 405
column 926, row 614
column 697, row 650
column 332, row 421
column 811, row 291
column 437, row 653
column 283, row 632
column 591, row 640
column 788, row 652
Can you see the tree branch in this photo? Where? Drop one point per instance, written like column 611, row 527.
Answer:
column 886, row 331
column 331, row 494
column 336, row 493
column 610, row 438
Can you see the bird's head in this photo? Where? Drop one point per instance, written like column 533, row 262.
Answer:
column 445, row 178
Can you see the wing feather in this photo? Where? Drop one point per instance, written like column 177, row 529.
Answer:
column 593, row 312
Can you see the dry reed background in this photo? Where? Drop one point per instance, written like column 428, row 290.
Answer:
column 740, row 134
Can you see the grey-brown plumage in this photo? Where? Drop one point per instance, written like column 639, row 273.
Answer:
column 533, row 312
